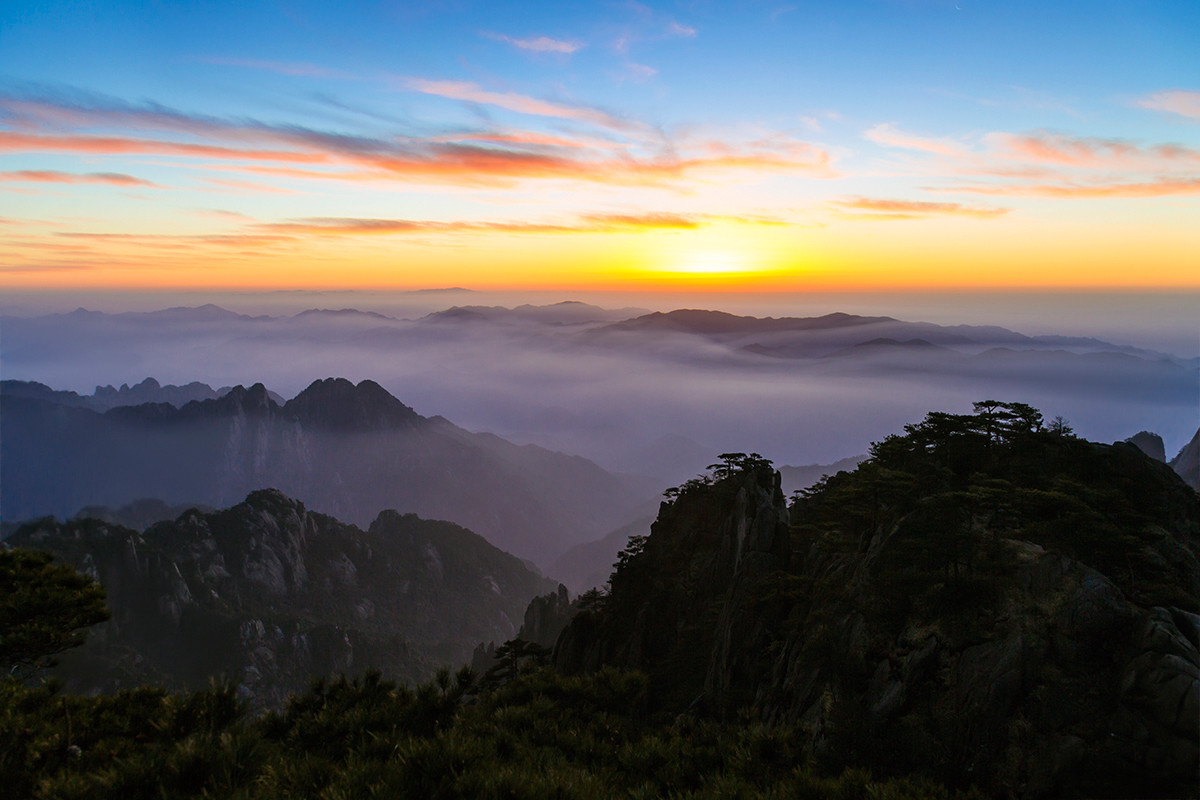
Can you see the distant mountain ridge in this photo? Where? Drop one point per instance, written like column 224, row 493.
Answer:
column 806, row 337
column 707, row 322
column 568, row 312
column 343, row 449
column 108, row 397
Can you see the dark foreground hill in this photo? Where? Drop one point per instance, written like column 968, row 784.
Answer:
column 983, row 601
column 270, row 596
column 345, row 450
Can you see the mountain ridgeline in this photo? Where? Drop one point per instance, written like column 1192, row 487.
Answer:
column 272, row 596
column 984, row 600
column 343, row 449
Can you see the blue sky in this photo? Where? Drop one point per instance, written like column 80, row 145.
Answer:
column 1074, row 126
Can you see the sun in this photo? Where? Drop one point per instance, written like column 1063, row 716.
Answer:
column 710, row 263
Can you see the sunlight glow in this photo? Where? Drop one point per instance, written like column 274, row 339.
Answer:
column 716, row 263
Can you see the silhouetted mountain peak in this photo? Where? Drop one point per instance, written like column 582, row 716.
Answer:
column 272, row 500
column 339, row 404
column 705, row 322
column 243, row 400
column 341, row 313
column 1149, row 443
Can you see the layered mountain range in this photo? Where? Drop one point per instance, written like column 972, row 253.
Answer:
column 343, row 449
column 107, row 397
column 271, row 596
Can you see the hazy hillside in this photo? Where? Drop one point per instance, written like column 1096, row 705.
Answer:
column 588, row 565
column 271, row 596
column 345, row 450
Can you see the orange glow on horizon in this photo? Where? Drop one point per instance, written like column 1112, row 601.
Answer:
column 643, row 253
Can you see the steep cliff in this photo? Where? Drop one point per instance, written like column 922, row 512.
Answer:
column 684, row 601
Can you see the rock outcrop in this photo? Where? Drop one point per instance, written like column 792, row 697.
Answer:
column 1149, row 443
column 545, row 618
column 684, row 604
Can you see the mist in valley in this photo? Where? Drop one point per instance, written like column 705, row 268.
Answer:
column 653, row 398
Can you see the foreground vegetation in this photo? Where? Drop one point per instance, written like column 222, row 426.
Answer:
column 540, row 735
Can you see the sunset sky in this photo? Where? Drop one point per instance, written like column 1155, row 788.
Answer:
column 758, row 145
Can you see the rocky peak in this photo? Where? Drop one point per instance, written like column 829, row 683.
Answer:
column 338, row 404
column 1151, row 444
column 238, row 401
column 546, row 617
column 708, row 549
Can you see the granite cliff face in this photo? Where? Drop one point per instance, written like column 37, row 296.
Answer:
column 683, row 601
column 345, row 450
column 982, row 601
column 271, row 596
column 1187, row 462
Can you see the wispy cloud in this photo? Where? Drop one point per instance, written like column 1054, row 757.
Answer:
column 636, row 72
column 540, row 44
column 1050, row 164
column 1090, row 152
column 249, row 186
column 172, row 242
column 1162, row 187
column 299, row 69
column 781, row 11
column 679, row 29
column 82, row 248
column 13, row 142
column 888, row 135
column 351, row 226
column 512, row 101
column 878, row 209
column 52, row 176
column 1183, row 102
column 47, row 266
column 587, row 223
column 498, row 157
column 221, row 213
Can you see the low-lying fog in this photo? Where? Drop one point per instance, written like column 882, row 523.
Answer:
column 662, row 396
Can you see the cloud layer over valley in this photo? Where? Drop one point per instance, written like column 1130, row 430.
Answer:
column 636, row 392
